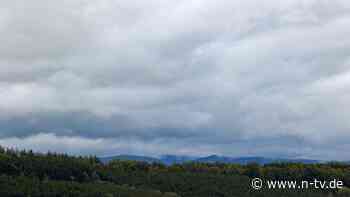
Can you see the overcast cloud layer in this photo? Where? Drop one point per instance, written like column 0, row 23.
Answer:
column 268, row 78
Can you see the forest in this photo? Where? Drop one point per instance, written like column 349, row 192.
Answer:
column 29, row 174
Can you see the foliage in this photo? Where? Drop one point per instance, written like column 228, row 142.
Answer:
column 24, row 173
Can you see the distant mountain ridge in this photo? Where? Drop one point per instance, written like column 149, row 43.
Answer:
column 178, row 159
column 130, row 158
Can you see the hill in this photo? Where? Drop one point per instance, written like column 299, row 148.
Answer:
column 175, row 159
column 130, row 158
column 25, row 173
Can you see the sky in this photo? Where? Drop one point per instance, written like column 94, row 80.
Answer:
column 187, row 77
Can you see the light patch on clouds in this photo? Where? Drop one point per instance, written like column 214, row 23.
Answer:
column 43, row 142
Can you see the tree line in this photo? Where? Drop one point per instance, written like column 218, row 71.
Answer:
column 25, row 173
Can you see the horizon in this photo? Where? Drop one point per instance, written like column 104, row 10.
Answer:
column 195, row 158
column 191, row 157
column 183, row 77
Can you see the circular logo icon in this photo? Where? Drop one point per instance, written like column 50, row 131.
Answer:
column 257, row 183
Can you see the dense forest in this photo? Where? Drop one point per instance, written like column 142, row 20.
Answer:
column 29, row 174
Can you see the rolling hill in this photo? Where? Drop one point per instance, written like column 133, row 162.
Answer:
column 175, row 159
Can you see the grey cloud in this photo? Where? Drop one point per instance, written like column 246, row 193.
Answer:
column 197, row 72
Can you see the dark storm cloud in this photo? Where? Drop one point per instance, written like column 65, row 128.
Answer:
column 192, row 77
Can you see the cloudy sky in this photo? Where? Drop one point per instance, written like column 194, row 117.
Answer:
column 189, row 77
